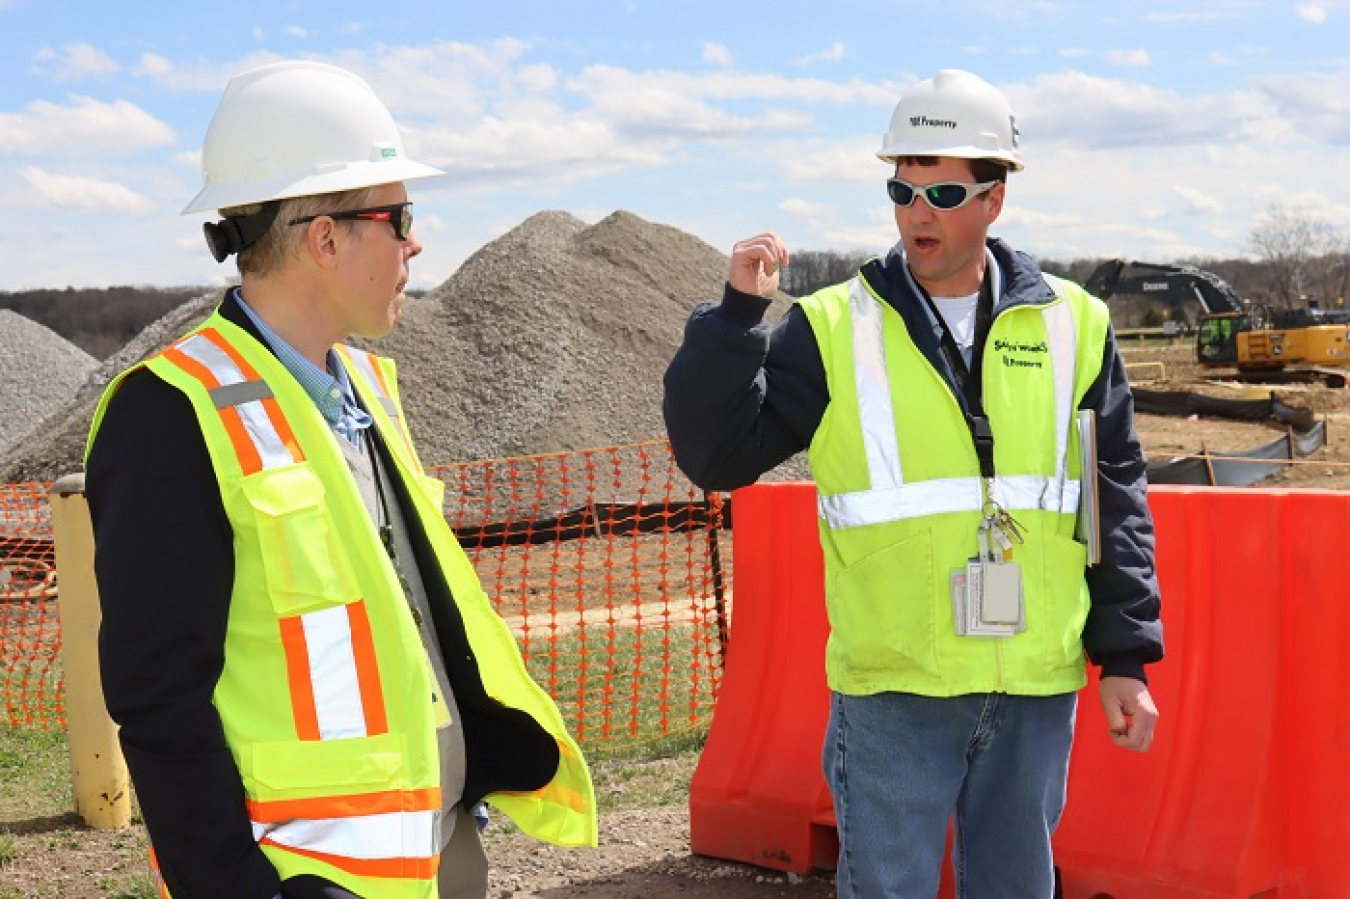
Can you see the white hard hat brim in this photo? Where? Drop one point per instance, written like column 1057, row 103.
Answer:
column 892, row 152
column 350, row 177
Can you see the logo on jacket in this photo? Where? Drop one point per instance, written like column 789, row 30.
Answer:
column 1021, row 355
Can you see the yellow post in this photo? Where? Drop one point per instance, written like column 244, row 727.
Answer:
column 99, row 773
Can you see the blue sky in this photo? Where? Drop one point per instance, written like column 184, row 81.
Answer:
column 1152, row 130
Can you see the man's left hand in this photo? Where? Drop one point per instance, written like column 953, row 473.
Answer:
column 1130, row 712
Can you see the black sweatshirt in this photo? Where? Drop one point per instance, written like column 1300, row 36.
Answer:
column 741, row 398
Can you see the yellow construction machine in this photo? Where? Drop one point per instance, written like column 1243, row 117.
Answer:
column 1262, row 343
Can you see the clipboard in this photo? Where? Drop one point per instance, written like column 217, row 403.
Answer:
column 1088, row 529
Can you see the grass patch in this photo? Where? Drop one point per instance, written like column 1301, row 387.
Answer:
column 34, row 773
column 9, row 848
column 629, row 693
column 139, row 887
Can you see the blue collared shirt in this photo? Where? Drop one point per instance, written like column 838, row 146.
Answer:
column 330, row 390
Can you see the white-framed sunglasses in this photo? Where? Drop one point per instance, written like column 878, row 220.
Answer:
column 945, row 195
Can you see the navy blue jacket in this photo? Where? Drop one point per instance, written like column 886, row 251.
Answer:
column 741, row 398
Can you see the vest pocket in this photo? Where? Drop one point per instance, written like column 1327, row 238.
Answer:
column 1057, row 625
column 305, row 565
column 293, row 769
column 882, row 606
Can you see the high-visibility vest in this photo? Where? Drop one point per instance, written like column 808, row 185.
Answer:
column 901, row 496
column 326, row 694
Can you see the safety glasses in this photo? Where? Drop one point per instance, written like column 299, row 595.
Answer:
column 945, row 195
column 399, row 216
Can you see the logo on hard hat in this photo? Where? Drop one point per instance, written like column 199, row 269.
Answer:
column 923, row 121
column 1012, row 127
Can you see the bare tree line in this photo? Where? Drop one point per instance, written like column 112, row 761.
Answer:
column 98, row 320
column 1297, row 258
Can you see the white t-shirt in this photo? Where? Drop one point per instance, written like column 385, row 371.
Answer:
column 958, row 313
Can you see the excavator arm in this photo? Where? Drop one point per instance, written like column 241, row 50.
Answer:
column 1173, row 282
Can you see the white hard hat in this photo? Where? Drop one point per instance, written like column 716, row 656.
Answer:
column 293, row 129
column 954, row 113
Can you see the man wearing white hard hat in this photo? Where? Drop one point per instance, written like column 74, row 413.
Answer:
column 313, row 690
column 947, row 397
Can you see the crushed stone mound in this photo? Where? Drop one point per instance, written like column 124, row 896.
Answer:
column 553, row 337
column 55, row 446
column 39, row 372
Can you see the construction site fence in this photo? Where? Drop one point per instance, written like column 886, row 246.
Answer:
column 608, row 565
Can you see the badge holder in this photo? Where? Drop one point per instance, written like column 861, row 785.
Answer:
column 987, row 593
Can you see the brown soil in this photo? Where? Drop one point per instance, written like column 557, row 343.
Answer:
column 1165, row 437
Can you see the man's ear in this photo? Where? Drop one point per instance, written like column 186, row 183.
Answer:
column 321, row 244
column 994, row 200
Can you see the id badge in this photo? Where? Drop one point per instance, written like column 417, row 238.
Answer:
column 1000, row 591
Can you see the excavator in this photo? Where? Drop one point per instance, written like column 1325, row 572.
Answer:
column 1262, row 343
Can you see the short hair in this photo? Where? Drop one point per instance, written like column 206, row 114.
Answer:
column 980, row 169
column 281, row 242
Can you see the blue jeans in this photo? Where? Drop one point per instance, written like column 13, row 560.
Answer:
column 900, row 766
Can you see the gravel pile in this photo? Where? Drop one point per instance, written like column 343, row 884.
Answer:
column 55, row 446
column 553, row 337
column 39, row 372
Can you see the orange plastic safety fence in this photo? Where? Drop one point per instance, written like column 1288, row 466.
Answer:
column 30, row 630
column 606, row 564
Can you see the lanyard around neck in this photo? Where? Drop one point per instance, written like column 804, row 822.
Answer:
column 969, row 379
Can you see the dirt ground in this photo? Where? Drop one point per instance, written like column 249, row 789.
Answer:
column 644, row 852
column 1164, row 437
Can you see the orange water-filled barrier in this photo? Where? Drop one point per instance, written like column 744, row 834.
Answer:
column 1246, row 791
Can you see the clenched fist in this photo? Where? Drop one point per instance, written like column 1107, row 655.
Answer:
column 755, row 263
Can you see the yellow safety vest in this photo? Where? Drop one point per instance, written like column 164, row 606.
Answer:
column 901, row 497
column 326, row 691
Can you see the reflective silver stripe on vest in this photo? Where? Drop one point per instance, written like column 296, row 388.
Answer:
column 331, row 651
column 379, row 838
column 238, row 394
column 238, row 391
column 889, row 497
column 366, row 365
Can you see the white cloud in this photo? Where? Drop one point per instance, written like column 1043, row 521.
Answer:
column 353, row 28
column 152, row 65
column 1313, row 12
column 44, row 127
column 834, row 53
column 1085, row 110
column 848, row 158
column 86, row 194
column 1197, row 201
column 1318, row 104
column 1136, row 58
column 537, row 79
column 1075, row 52
column 515, row 150
column 805, row 208
column 1242, row 55
column 718, row 55
column 596, row 81
column 296, row 31
column 73, row 61
column 208, row 78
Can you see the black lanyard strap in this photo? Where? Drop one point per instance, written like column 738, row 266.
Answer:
column 969, row 379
